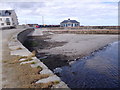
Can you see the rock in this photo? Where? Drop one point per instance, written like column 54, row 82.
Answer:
column 49, row 79
column 57, row 70
column 23, row 59
column 46, row 71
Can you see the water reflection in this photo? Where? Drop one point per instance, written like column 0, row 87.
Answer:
column 99, row 71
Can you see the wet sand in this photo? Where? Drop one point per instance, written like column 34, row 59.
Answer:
column 78, row 45
column 59, row 49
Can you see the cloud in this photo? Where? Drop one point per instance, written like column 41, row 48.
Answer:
column 88, row 12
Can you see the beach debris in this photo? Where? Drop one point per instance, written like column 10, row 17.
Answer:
column 43, row 57
column 71, row 62
column 57, row 70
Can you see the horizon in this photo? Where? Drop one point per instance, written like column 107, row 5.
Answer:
column 97, row 13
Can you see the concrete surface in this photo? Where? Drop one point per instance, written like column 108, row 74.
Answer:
column 10, row 41
column 49, row 79
column 4, row 38
column 0, row 59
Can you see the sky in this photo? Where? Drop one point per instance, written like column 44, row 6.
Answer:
column 87, row 12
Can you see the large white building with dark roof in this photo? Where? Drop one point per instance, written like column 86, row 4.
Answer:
column 69, row 23
column 8, row 18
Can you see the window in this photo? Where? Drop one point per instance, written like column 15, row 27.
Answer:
column 75, row 25
column 68, row 24
column 8, row 23
column 2, row 24
column 7, row 20
column 72, row 25
column 7, row 12
column 0, row 19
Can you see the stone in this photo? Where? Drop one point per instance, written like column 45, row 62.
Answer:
column 23, row 59
column 61, row 85
column 46, row 71
column 57, row 70
column 39, row 64
column 49, row 79
column 27, row 62
column 23, row 52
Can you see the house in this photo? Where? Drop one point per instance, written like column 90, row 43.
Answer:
column 8, row 18
column 69, row 23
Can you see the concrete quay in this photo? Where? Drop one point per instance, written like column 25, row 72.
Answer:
column 14, row 62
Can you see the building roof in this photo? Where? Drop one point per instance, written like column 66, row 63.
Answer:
column 6, row 12
column 72, row 21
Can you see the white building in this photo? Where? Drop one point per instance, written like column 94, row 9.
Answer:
column 69, row 23
column 8, row 18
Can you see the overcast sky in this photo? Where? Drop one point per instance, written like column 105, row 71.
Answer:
column 87, row 12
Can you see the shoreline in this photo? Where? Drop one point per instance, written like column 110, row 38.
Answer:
column 56, row 50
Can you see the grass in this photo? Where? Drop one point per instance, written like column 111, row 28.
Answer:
column 13, row 37
column 39, row 67
column 18, row 48
column 28, row 59
column 11, row 63
column 42, row 76
column 56, row 82
column 4, row 61
column 33, row 63
column 21, row 57
column 15, row 40
column 49, row 84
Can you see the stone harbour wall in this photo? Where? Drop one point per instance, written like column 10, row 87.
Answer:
column 16, row 47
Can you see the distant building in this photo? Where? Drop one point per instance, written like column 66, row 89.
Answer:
column 32, row 25
column 69, row 23
column 8, row 18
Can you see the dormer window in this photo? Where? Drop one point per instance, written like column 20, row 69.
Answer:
column 7, row 12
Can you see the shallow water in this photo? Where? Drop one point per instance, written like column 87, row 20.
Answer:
column 99, row 70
